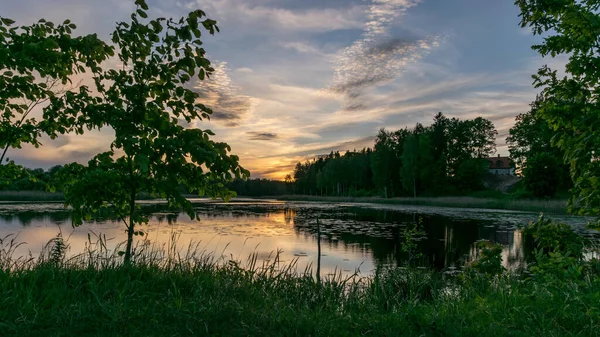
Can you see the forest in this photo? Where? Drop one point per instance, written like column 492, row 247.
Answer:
column 446, row 158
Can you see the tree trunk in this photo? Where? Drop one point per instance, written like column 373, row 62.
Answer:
column 4, row 154
column 130, row 229
column 318, row 252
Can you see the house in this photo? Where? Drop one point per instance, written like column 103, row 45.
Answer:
column 501, row 165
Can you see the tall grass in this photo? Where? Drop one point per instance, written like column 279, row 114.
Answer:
column 168, row 291
column 527, row 205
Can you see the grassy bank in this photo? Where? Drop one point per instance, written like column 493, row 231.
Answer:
column 171, row 295
column 36, row 196
column 505, row 203
column 546, row 206
column 30, row 196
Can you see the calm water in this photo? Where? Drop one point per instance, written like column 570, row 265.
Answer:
column 353, row 236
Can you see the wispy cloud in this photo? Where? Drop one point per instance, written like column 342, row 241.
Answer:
column 261, row 135
column 269, row 17
column 218, row 93
column 377, row 58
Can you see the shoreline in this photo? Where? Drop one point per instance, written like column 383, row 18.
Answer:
column 554, row 206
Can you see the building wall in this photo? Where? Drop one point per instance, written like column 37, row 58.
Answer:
column 510, row 171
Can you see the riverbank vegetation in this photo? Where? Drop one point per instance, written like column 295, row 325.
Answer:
column 165, row 291
column 555, row 206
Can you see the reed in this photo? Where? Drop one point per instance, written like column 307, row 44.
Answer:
column 172, row 291
column 526, row 205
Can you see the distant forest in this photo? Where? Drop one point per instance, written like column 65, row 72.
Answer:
column 446, row 158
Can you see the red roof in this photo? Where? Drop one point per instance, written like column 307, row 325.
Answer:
column 499, row 162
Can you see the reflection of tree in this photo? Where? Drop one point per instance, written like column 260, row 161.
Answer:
column 288, row 215
column 25, row 218
column 380, row 232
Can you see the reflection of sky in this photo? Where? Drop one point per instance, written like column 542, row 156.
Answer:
column 298, row 78
column 226, row 236
column 353, row 236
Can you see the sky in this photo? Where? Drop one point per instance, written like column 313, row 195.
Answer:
column 299, row 78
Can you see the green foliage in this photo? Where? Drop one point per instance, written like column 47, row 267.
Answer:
column 410, row 242
column 95, row 294
column 9, row 173
column 489, row 259
column 335, row 174
column 146, row 103
column 443, row 158
column 541, row 175
column 570, row 106
column 36, row 62
column 546, row 236
column 531, row 149
column 385, row 162
column 555, row 267
column 259, row 187
column 470, row 174
column 393, row 287
column 410, row 159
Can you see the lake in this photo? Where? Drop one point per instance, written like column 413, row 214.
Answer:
column 354, row 236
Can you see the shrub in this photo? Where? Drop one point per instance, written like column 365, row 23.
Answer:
column 489, row 259
column 546, row 236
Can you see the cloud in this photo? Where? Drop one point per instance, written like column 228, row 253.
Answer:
column 322, row 149
column 244, row 70
column 64, row 149
column 262, row 135
column 377, row 58
column 263, row 18
column 304, row 48
column 219, row 94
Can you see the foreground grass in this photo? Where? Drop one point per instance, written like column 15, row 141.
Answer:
column 546, row 206
column 194, row 296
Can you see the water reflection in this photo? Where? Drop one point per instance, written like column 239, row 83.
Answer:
column 353, row 236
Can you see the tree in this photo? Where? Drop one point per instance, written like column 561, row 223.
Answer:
column 541, row 174
column 410, row 161
column 145, row 103
column 531, row 136
column 36, row 62
column 470, row 174
column 483, row 135
column 571, row 107
column 382, row 162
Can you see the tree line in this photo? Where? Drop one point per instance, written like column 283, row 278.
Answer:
column 445, row 158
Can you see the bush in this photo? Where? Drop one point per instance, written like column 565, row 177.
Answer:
column 546, row 236
column 489, row 259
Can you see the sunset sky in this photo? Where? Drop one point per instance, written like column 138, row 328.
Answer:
column 299, row 78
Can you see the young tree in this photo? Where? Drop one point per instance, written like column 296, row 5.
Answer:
column 36, row 62
column 145, row 103
column 571, row 106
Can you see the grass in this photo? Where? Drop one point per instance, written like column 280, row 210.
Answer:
column 46, row 196
column 527, row 205
column 168, row 293
column 30, row 196
column 491, row 200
